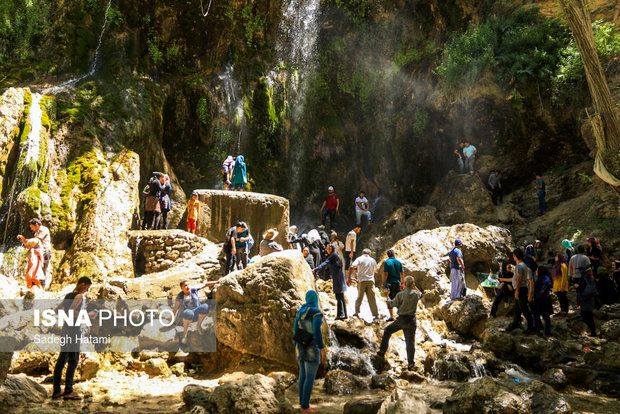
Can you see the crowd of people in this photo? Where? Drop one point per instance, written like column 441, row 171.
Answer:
column 535, row 278
column 157, row 203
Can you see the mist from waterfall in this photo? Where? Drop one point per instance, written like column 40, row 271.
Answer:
column 231, row 101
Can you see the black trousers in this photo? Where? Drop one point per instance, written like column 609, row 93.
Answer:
column 523, row 307
column 341, row 308
column 407, row 324
column 588, row 319
column 503, row 293
column 563, row 299
column 71, row 359
column 164, row 220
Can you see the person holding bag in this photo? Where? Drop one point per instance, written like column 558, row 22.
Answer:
column 309, row 346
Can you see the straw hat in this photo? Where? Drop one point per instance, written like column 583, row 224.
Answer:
column 270, row 234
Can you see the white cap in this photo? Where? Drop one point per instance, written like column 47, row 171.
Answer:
column 330, row 188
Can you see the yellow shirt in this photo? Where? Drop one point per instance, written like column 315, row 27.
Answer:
column 193, row 209
column 560, row 282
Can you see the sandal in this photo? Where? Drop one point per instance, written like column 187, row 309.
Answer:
column 72, row 396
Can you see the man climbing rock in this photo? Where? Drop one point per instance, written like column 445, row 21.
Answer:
column 457, row 271
column 407, row 303
column 540, row 188
column 495, row 186
column 393, row 278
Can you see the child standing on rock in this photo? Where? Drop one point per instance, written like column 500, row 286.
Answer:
column 193, row 211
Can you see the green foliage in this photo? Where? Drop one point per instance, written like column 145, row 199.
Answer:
column 157, row 56
column 253, row 26
column 223, row 145
column 115, row 17
column 202, row 111
column 420, row 121
column 23, row 24
column 570, row 75
column 521, row 48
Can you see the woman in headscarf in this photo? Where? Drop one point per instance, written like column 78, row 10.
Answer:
column 310, row 319
column 339, row 283
column 164, row 200
column 570, row 250
column 239, row 174
column 560, row 282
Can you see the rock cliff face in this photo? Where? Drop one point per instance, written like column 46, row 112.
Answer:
column 100, row 248
column 220, row 210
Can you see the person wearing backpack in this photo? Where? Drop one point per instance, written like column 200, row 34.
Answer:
column 542, row 306
column 309, row 346
column 152, row 207
column 239, row 175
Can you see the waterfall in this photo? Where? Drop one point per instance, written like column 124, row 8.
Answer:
column 340, row 357
column 34, row 137
column 231, row 102
column 59, row 88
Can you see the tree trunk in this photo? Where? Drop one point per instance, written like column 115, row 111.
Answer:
column 581, row 25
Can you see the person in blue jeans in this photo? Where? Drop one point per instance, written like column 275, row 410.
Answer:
column 309, row 356
column 188, row 304
column 540, row 191
column 469, row 152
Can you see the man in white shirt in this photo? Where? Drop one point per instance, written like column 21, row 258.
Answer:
column 349, row 246
column 43, row 234
column 362, row 208
column 366, row 268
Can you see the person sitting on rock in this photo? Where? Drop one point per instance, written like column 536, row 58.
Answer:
column 542, row 306
column 187, row 303
column 34, row 268
column 268, row 244
column 393, row 279
column 339, row 283
column 309, row 355
column 193, row 212
column 407, row 302
column 505, row 289
column 457, row 271
column 362, row 208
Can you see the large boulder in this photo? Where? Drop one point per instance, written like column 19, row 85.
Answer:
column 5, row 364
column 254, row 394
column 544, row 399
column 467, row 316
column 404, row 401
column 424, row 254
column 339, row 382
column 219, row 210
column 485, row 396
column 17, row 391
column 256, row 307
column 463, row 199
column 100, row 248
column 529, row 351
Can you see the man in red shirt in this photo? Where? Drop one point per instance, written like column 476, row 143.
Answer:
column 330, row 207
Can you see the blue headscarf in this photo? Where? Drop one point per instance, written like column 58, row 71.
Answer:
column 312, row 301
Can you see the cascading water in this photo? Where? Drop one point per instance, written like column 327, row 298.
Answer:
column 59, row 88
column 34, row 137
column 231, row 102
column 340, row 357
